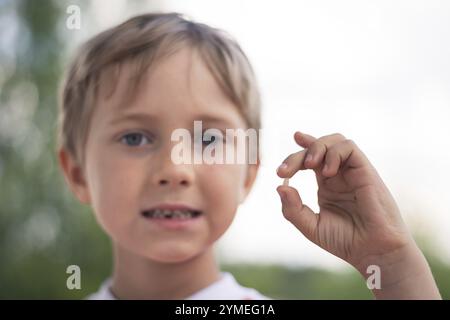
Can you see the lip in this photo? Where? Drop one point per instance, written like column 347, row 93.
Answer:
column 174, row 224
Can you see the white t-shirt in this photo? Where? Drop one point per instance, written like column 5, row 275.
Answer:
column 226, row 288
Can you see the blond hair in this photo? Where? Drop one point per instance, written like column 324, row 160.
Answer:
column 142, row 40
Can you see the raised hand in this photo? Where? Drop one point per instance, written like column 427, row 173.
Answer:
column 358, row 220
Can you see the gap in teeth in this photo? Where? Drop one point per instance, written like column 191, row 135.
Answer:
column 171, row 214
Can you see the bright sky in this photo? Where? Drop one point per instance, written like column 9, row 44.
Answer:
column 376, row 71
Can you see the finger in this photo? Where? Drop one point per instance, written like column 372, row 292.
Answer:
column 343, row 153
column 303, row 140
column 332, row 161
column 300, row 215
column 318, row 149
column 292, row 164
column 314, row 154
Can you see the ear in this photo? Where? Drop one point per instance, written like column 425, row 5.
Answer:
column 252, row 171
column 74, row 176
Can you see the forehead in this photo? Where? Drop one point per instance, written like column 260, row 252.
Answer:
column 181, row 83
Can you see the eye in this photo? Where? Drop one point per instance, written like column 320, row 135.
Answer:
column 135, row 139
column 209, row 138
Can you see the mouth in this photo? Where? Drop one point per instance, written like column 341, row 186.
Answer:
column 171, row 212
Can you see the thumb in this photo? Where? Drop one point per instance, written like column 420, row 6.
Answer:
column 300, row 215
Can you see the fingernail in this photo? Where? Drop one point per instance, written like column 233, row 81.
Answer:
column 325, row 168
column 309, row 158
column 282, row 166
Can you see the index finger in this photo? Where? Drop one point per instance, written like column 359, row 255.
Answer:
column 295, row 161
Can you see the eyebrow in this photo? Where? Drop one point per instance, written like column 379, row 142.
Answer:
column 216, row 119
column 134, row 117
column 148, row 118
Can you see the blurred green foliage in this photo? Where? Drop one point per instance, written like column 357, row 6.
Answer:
column 43, row 229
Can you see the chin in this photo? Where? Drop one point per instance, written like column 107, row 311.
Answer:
column 173, row 253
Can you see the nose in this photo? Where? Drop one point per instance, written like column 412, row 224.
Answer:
column 173, row 175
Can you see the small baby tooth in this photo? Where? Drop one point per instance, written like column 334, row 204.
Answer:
column 177, row 214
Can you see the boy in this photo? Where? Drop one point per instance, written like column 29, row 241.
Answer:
column 128, row 90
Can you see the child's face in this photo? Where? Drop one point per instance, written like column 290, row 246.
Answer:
column 121, row 180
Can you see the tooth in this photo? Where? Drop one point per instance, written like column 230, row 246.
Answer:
column 174, row 214
column 178, row 214
column 157, row 214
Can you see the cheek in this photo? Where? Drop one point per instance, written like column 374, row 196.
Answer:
column 223, row 181
column 221, row 187
column 112, row 184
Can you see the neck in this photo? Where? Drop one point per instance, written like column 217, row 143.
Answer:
column 137, row 277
